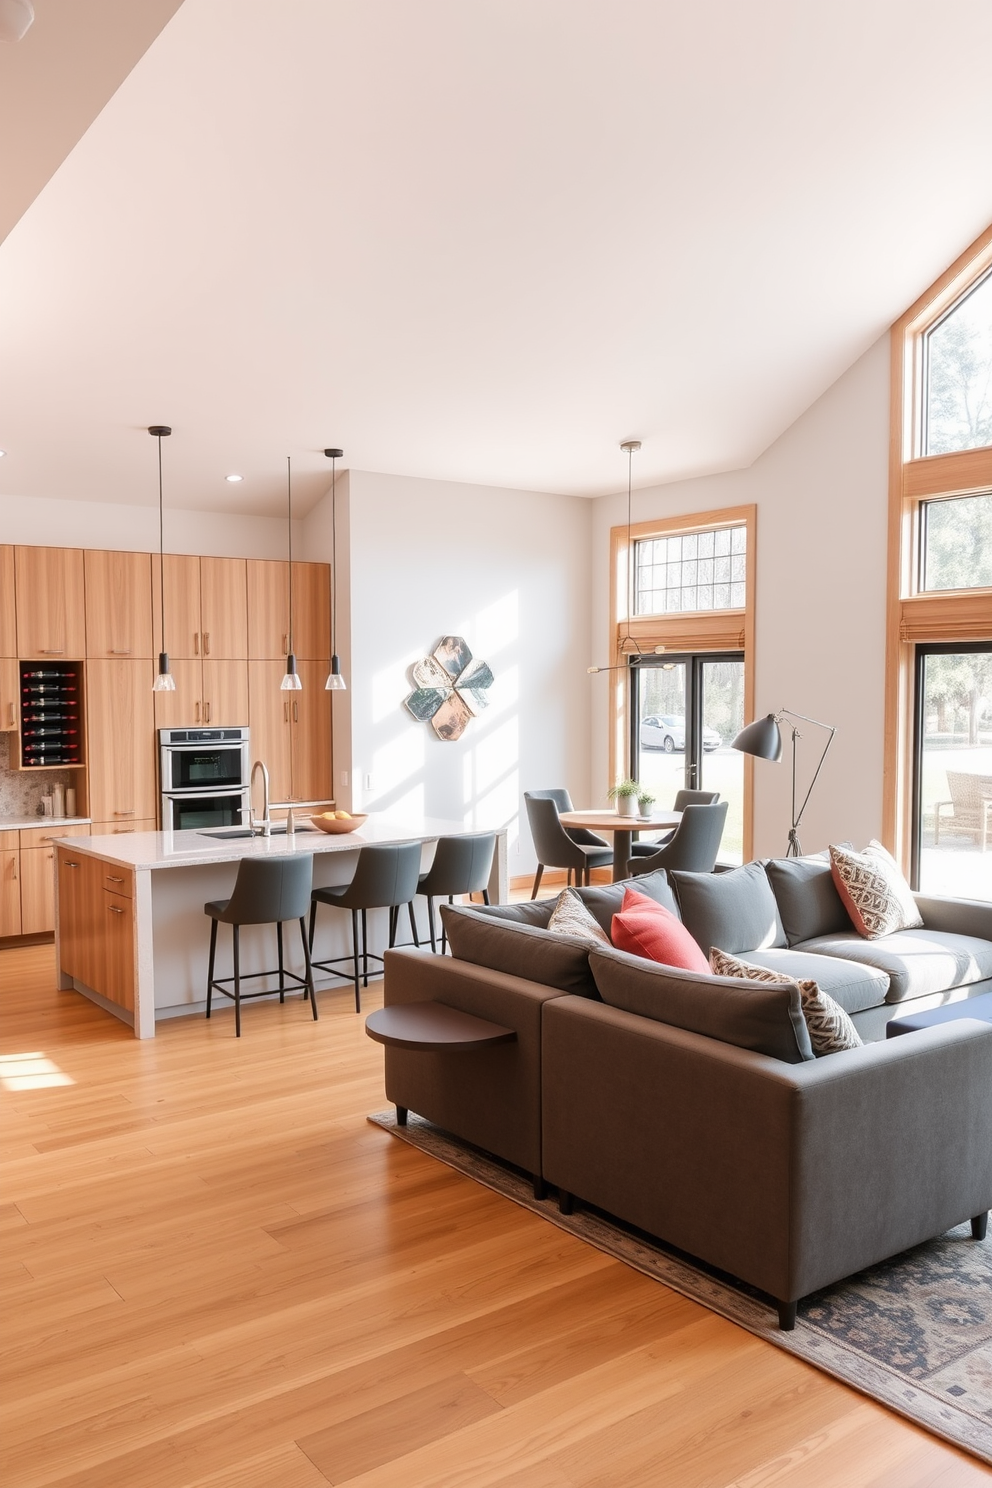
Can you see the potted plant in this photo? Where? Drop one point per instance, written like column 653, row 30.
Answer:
column 645, row 800
column 625, row 794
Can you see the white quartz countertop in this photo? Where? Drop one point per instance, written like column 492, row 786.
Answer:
column 11, row 823
column 155, row 850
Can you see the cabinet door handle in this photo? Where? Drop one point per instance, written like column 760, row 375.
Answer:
column 197, row 718
column 196, row 643
column 71, row 865
column 206, row 643
column 285, row 644
column 112, row 909
column 52, row 650
column 125, row 813
column 206, row 712
column 11, row 707
column 122, row 653
column 285, row 712
column 13, row 865
column 114, row 879
column 296, row 712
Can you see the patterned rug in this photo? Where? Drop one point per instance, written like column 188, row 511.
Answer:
column 914, row 1333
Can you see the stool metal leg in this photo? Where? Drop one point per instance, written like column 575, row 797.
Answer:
column 365, row 948
column 310, row 990
column 354, row 946
column 394, row 912
column 210, row 963
column 282, row 969
column 413, row 923
column 485, row 896
column 237, row 981
column 313, row 921
column 430, row 921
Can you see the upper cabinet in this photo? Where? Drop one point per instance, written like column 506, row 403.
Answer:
column 8, row 615
column 268, row 610
column 121, row 738
column 118, row 603
column 206, row 607
column 51, row 612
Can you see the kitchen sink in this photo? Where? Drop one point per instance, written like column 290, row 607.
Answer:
column 278, row 830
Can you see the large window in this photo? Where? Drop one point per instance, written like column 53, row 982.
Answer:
column 691, row 571
column 938, row 738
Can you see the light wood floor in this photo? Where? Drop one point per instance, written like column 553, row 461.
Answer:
column 217, row 1273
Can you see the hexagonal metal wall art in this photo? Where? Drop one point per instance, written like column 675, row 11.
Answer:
column 451, row 688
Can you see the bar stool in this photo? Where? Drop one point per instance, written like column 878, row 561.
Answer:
column 461, row 866
column 267, row 891
column 385, row 878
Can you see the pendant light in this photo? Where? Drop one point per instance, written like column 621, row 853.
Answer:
column 335, row 681
column 164, row 681
column 628, row 646
column 291, row 681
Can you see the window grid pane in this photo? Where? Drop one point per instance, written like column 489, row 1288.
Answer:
column 956, row 547
column 693, row 572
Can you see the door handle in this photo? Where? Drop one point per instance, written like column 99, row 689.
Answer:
column 285, row 643
column 206, row 643
column 122, row 653
column 13, row 864
column 206, row 712
column 11, row 707
column 71, row 865
column 52, row 650
column 196, row 643
column 197, row 718
column 296, row 712
column 285, row 712
column 112, row 909
column 114, row 879
column 125, row 813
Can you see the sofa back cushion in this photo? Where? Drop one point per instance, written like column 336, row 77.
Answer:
column 519, row 949
column 764, row 1017
column 735, row 911
column 807, row 897
column 603, row 901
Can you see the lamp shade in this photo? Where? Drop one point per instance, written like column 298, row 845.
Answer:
column 762, row 738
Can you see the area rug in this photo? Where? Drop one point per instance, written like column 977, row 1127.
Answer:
column 914, row 1333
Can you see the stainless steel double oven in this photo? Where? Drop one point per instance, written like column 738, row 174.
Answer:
column 204, row 776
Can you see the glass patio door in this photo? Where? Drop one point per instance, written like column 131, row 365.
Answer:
column 687, row 710
column 952, row 846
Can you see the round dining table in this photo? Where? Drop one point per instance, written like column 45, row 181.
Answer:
column 623, row 829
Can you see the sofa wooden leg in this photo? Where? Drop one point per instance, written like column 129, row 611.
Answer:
column 540, row 1187
column 401, row 1115
column 566, row 1202
column 980, row 1226
column 787, row 1316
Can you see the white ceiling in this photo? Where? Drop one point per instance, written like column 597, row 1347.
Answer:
column 482, row 242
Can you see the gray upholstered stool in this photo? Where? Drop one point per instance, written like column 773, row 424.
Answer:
column 267, row 891
column 385, row 877
column 461, row 866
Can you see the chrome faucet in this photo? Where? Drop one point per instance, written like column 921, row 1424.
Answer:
column 265, row 825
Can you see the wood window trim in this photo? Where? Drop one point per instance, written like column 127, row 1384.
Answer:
column 913, row 617
column 703, row 630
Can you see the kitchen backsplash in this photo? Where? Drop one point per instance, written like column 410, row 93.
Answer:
column 21, row 790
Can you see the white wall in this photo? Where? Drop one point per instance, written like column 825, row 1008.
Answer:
column 508, row 570
column 41, row 522
column 821, row 495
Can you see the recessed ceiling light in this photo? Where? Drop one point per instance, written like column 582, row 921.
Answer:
column 234, row 477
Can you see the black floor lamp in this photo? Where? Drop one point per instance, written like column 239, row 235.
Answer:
column 763, row 739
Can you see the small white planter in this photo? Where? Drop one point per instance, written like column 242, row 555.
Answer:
column 626, row 805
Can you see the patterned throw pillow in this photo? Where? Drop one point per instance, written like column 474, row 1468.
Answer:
column 570, row 917
column 877, row 897
column 830, row 1028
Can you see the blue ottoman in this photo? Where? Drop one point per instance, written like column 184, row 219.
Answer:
column 972, row 1007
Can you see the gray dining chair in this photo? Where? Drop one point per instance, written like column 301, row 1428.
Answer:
column 386, row 877
column 461, row 865
column 683, row 798
column 695, row 842
column 266, row 891
column 575, row 849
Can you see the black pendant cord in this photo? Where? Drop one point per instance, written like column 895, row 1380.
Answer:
column 161, row 549
column 334, row 555
column 289, row 500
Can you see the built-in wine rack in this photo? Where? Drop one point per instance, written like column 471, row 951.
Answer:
column 51, row 715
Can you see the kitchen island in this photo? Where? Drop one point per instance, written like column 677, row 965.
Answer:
column 130, row 931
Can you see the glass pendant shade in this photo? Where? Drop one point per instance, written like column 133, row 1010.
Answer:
column 335, row 682
column 164, row 681
column 291, row 681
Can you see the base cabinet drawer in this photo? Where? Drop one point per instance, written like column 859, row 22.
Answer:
column 96, row 927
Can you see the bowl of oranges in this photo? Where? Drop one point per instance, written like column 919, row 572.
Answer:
column 336, row 822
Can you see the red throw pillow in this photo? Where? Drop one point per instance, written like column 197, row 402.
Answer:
column 645, row 928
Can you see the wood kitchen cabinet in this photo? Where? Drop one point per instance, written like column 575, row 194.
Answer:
column 121, row 740
column 10, row 887
column 118, row 603
column 8, row 613
column 49, row 590
column 268, row 609
column 96, row 926
column 269, row 722
column 9, row 689
column 206, row 608
column 208, row 692
column 38, row 890
column 291, row 731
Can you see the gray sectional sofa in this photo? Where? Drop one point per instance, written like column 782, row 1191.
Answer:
column 691, row 1106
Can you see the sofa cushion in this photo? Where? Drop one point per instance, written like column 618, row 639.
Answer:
column 734, row 910
column 807, row 897
column 570, row 917
column 645, row 928
column 528, row 912
column 519, row 950
column 878, row 898
column 830, row 1029
column 764, row 1017
column 604, row 900
column 917, row 962
column 856, row 985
